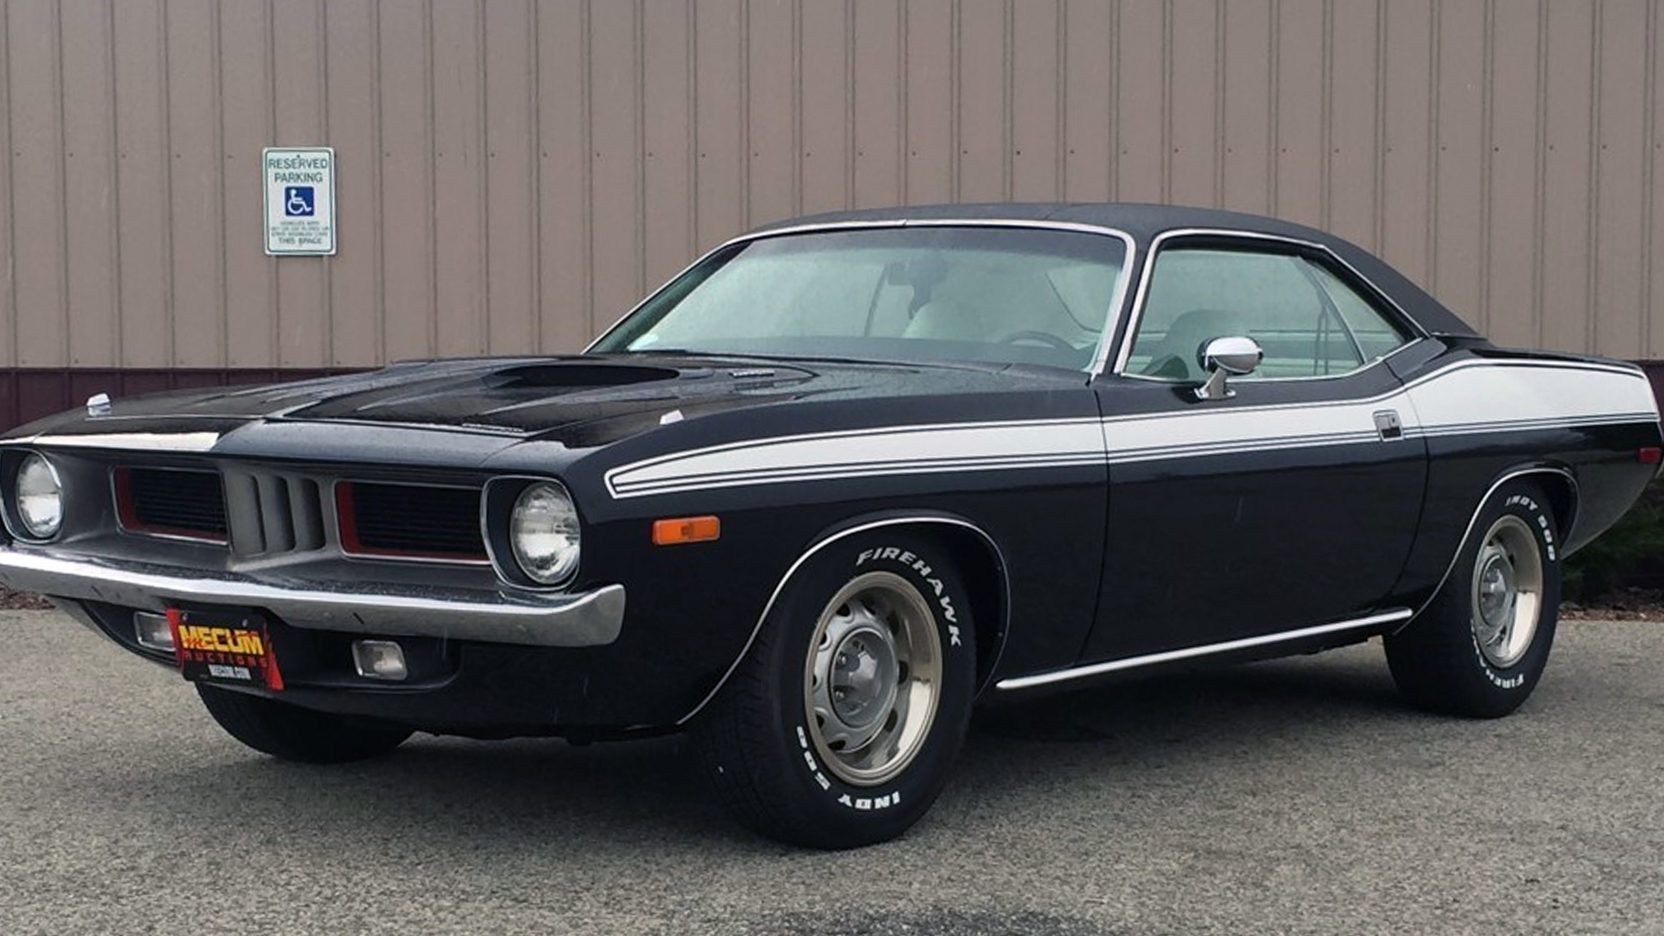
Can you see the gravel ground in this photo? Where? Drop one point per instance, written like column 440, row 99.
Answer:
column 21, row 601
column 1286, row 797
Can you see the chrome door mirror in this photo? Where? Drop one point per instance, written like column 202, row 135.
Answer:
column 1226, row 357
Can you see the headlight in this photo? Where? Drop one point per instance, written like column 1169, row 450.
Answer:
column 39, row 498
column 544, row 533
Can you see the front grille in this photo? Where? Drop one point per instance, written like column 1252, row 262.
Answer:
column 410, row 521
column 171, row 502
column 273, row 513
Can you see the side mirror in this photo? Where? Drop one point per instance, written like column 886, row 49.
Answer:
column 1226, row 357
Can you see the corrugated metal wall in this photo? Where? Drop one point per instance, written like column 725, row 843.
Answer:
column 515, row 173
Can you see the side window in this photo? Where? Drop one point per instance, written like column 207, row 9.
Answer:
column 1309, row 323
column 1377, row 335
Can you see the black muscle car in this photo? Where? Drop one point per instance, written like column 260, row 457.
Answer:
column 837, row 482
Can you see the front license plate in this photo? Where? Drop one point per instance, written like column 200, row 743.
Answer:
column 224, row 648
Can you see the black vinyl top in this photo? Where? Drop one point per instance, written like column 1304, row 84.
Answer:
column 1145, row 221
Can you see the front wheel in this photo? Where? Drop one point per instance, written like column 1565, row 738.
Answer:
column 1481, row 646
column 839, row 726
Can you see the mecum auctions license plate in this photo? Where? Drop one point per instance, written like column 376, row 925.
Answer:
column 224, row 648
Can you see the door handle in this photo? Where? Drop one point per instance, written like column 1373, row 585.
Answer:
column 1389, row 425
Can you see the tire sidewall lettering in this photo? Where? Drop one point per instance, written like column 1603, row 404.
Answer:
column 933, row 577
column 1507, row 683
column 848, row 797
column 1514, row 678
column 930, row 578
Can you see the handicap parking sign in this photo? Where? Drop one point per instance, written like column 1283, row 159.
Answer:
column 299, row 201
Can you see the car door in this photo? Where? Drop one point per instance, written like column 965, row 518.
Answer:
column 1290, row 503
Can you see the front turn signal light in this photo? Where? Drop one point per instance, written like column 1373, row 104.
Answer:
column 676, row 530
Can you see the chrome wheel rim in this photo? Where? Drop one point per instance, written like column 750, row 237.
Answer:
column 872, row 680
column 1507, row 591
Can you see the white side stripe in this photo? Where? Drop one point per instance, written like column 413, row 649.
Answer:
column 1468, row 398
column 902, row 450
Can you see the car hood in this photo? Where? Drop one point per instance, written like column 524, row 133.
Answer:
column 579, row 401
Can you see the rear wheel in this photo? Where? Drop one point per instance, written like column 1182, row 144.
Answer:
column 1481, row 646
column 840, row 724
column 293, row 733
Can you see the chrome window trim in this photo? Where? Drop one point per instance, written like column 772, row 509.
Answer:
column 1135, row 314
column 1282, row 380
column 1186, row 653
column 822, row 543
column 1111, row 317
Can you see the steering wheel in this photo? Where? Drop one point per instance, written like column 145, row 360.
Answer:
column 1044, row 338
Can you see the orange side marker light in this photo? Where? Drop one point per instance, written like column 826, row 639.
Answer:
column 676, row 530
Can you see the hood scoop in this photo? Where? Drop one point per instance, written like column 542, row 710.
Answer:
column 575, row 376
column 541, row 395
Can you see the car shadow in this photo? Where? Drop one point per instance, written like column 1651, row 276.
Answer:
column 510, row 796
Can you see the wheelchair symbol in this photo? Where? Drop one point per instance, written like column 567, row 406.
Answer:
column 298, row 201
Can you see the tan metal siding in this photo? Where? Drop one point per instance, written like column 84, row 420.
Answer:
column 927, row 110
column 563, row 175
column 1511, row 223
column 880, row 90
column 89, row 184
column 667, row 125
column 355, row 289
column 1408, row 38
column 1621, row 222
column 297, row 105
column 403, row 258
column 38, row 222
column 1653, row 281
column 1143, row 100
column 249, row 289
column 1088, row 88
column 513, row 174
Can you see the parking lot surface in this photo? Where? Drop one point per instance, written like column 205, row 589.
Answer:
column 1286, row 797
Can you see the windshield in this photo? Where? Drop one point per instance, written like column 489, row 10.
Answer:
column 1002, row 295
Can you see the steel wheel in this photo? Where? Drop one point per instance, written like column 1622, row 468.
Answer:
column 1480, row 646
column 872, row 678
column 1507, row 591
column 842, row 720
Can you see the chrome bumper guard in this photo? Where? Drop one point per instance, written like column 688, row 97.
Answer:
column 587, row 619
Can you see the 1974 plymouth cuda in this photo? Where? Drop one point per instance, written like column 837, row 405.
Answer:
column 838, row 481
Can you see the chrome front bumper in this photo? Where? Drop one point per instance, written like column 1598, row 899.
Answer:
column 587, row 619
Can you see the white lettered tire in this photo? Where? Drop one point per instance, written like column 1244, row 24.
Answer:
column 1480, row 647
column 839, row 726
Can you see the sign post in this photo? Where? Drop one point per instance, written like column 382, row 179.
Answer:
column 300, row 200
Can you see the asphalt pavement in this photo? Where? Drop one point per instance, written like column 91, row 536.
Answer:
column 1294, row 796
